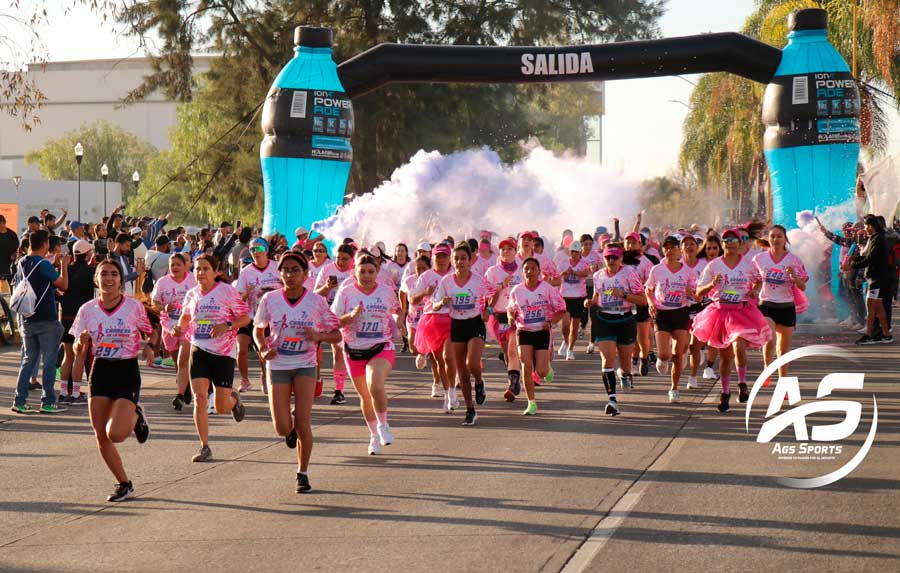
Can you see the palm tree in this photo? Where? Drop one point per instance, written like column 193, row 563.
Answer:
column 723, row 134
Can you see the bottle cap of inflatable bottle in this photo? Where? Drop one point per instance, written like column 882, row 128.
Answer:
column 312, row 37
column 808, row 19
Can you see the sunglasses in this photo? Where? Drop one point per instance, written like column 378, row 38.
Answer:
column 731, row 240
column 611, row 258
column 259, row 249
column 319, row 251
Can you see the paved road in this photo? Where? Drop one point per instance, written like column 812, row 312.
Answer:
column 662, row 487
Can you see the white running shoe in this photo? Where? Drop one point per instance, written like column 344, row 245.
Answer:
column 563, row 347
column 861, row 330
column 570, row 355
column 709, row 373
column 662, row 367
column 612, row 408
column 446, row 405
column 454, row 399
column 421, row 362
column 674, row 396
column 211, row 408
column 590, row 348
column 692, row 383
column 385, row 435
column 374, row 445
column 437, row 391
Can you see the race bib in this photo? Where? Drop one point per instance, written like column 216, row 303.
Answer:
column 673, row 298
column 108, row 350
column 775, row 276
column 610, row 301
column 175, row 314
column 290, row 346
column 571, row 279
column 369, row 329
column 731, row 296
column 204, row 330
column 463, row 301
column 534, row 314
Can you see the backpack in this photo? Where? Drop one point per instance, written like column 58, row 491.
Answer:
column 23, row 298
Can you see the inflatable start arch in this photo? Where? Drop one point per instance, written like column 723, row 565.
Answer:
column 810, row 111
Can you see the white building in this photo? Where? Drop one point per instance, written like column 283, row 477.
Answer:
column 80, row 92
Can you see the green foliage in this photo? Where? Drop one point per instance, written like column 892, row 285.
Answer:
column 122, row 151
column 255, row 40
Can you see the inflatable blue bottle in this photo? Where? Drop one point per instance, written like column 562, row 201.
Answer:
column 811, row 111
column 307, row 123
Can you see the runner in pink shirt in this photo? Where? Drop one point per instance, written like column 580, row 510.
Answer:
column 256, row 279
column 298, row 320
column 526, row 250
column 433, row 332
column 670, row 289
column 732, row 322
column 574, row 272
column 594, row 259
column 534, row 307
column 366, row 310
column 635, row 258
column 412, row 314
column 330, row 277
column 503, row 277
column 784, row 279
column 212, row 313
column 466, row 294
column 617, row 288
column 114, row 325
column 167, row 297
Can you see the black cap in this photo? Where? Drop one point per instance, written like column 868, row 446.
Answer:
column 312, row 37
column 808, row 19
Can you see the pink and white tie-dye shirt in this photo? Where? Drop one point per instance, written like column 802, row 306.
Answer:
column 533, row 308
column 168, row 291
column 777, row 286
column 286, row 324
column 223, row 303
column 626, row 279
column 670, row 290
column 468, row 299
column 259, row 282
column 374, row 325
column 116, row 334
column 736, row 282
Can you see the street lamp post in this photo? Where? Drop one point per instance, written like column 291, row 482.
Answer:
column 17, row 179
column 79, row 155
column 136, row 177
column 104, row 173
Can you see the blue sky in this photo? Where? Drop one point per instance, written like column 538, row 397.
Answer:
column 641, row 128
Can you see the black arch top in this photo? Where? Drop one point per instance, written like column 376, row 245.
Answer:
column 407, row 63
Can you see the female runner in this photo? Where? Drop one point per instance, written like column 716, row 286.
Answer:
column 534, row 307
column 298, row 320
column 367, row 328
column 617, row 288
column 783, row 273
column 167, row 296
column 465, row 294
column 670, row 288
column 634, row 257
column 115, row 325
column 503, row 277
column 255, row 280
column 709, row 251
column 575, row 271
column 433, row 334
column 732, row 322
column 212, row 312
column 330, row 277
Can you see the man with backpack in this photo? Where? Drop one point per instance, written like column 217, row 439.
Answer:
column 34, row 298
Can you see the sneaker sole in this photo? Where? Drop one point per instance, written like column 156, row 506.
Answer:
column 129, row 495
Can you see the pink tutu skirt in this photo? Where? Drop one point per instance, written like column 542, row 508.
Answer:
column 721, row 325
column 432, row 333
column 800, row 301
column 498, row 331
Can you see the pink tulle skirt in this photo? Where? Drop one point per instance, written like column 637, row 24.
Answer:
column 721, row 325
column 499, row 332
column 800, row 301
column 432, row 333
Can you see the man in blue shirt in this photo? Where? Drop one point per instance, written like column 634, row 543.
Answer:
column 42, row 331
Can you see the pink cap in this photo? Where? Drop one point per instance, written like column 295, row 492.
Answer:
column 441, row 249
column 633, row 235
column 531, row 234
column 604, row 237
column 612, row 252
column 736, row 232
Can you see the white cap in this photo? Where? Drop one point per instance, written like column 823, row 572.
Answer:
column 81, row 247
column 301, row 231
column 424, row 246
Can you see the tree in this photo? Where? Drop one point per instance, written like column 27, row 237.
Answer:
column 723, row 133
column 22, row 48
column 256, row 40
column 122, row 151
